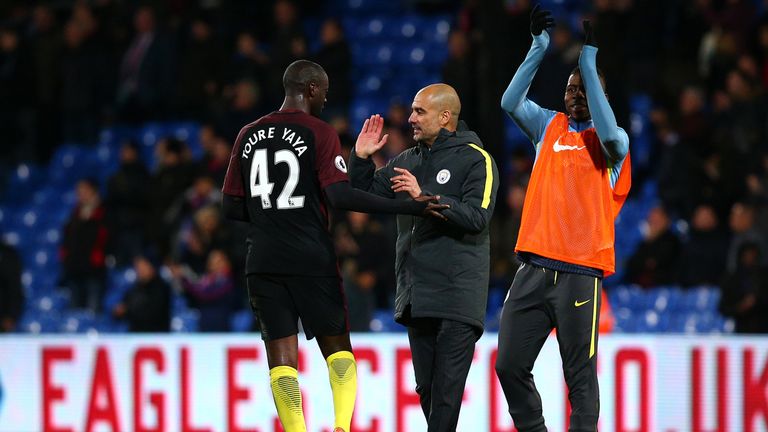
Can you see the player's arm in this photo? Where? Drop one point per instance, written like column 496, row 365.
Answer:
column 234, row 207
column 529, row 117
column 478, row 196
column 343, row 196
column 613, row 139
column 233, row 193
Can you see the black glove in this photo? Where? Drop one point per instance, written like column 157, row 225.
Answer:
column 541, row 20
column 589, row 37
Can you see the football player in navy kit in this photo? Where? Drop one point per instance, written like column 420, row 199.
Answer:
column 283, row 170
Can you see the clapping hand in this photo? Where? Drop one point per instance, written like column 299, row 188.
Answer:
column 589, row 37
column 541, row 20
column 370, row 140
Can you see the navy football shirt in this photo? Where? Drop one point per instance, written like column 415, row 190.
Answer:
column 280, row 165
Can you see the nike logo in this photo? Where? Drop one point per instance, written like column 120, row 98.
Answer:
column 578, row 303
column 557, row 147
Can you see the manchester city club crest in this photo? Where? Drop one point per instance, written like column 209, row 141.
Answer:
column 443, row 176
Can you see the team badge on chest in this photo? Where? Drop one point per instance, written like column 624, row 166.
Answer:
column 443, row 176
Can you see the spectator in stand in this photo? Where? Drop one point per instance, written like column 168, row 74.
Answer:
column 126, row 203
column 175, row 174
column 15, row 73
column 200, row 73
column 200, row 236
column 45, row 46
column 218, row 160
column 702, row 261
column 11, row 293
column 743, row 230
column 83, row 248
column 336, row 58
column 460, row 72
column 145, row 83
column 147, row 305
column 359, row 241
column 745, row 291
column 203, row 193
column 212, row 293
column 250, row 62
column 655, row 261
column 83, row 85
column 289, row 43
column 504, row 262
column 245, row 105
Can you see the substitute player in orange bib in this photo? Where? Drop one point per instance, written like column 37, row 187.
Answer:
column 579, row 182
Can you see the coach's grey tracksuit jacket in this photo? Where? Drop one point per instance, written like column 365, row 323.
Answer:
column 442, row 267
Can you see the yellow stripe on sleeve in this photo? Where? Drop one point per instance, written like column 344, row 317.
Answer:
column 488, row 176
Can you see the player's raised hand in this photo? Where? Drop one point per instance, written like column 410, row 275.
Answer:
column 370, row 140
column 541, row 20
column 433, row 208
column 405, row 182
column 589, row 37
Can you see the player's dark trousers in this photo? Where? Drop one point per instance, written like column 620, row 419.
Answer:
column 540, row 299
column 442, row 354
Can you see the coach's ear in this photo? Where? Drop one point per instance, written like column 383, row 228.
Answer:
column 234, row 207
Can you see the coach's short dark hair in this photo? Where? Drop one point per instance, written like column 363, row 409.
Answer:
column 299, row 74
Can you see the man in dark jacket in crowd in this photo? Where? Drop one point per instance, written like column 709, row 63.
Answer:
column 147, row 305
column 11, row 293
column 442, row 266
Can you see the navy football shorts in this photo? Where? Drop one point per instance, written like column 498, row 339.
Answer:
column 279, row 301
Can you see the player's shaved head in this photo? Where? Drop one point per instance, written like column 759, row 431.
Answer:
column 299, row 74
column 443, row 97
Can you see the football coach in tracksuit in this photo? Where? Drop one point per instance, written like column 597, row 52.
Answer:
column 442, row 266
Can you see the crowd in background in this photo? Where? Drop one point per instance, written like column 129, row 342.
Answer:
column 70, row 68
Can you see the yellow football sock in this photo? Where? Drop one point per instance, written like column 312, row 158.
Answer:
column 287, row 396
column 342, row 373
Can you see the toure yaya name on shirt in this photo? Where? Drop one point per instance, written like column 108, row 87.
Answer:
column 288, row 135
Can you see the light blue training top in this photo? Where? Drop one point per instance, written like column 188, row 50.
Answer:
column 533, row 120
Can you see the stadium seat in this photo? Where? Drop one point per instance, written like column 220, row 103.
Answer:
column 185, row 322
column 241, row 321
column 383, row 321
column 436, row 29
column 35, row 322
column 78, row 321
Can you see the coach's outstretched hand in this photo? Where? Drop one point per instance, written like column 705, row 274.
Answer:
column 434, row 207
column 541, row 20
column 589, row 37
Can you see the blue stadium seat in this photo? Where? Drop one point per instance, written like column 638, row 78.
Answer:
column 189, row 132
column 78, row 321
column 362, row 7
column 185, row 322
column 703, row 299
column 436, row 29
column 378, row 54
column 370, row 85
column 362, row 108
column 626, row 321
column 241, row 321
column 383, row 321
column 36, row 322
column 23, row 181
column 368, row 28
